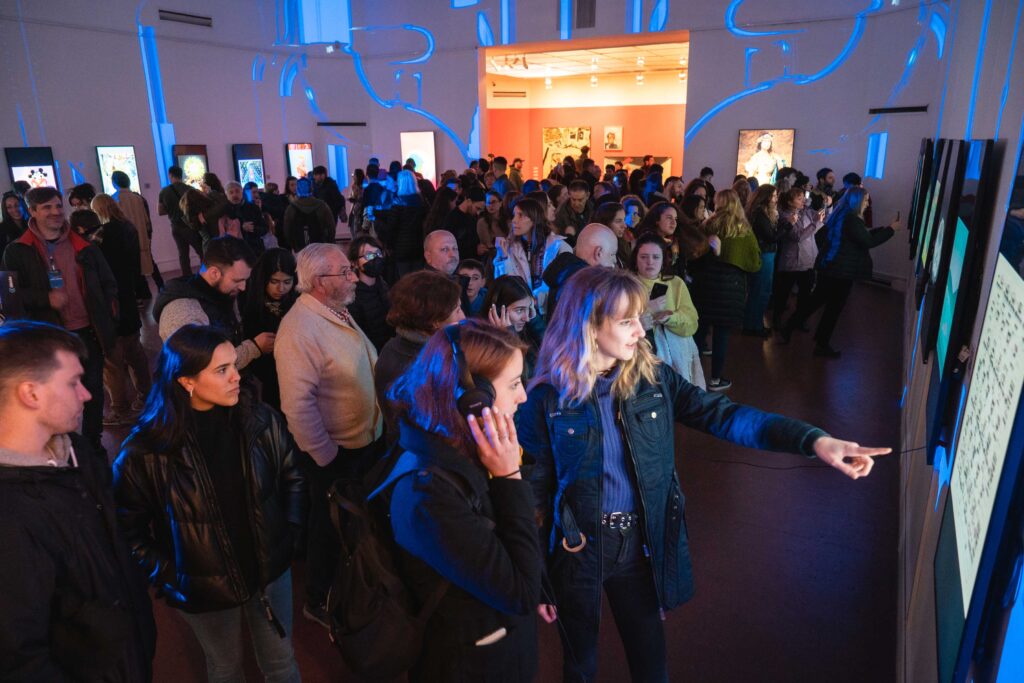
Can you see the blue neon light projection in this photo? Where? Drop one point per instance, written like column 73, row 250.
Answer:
column 874, row 165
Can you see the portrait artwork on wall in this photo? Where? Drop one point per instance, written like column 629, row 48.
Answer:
column 558, row 143
column 300, row 158
column 763, row 152
column 419, row 146
column 612, row 138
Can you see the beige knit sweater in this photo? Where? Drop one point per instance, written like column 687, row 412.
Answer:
column 325, row 368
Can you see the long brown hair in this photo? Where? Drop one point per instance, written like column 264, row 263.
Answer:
column 761, row 200
column 424, row 394
column 587, row 299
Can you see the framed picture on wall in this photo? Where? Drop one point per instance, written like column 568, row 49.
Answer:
column 249, row 164
column 34, row 165
column 762, row 152
column 193, row 162
column 300, row 158
column 120, row 158
column 558, row 143
column 612, row 138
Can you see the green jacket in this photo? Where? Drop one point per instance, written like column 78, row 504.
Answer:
column 742, row 252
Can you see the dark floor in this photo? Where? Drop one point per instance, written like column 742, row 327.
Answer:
column 795, row 568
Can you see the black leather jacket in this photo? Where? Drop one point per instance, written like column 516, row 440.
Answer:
column 566, row 443
column 167, row 506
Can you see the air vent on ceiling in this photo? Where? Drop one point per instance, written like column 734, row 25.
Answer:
column 509, row 93
column 586, row 13
column 183, row 18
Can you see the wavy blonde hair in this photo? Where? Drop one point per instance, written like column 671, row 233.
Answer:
column 729, row 220
column 591, row 297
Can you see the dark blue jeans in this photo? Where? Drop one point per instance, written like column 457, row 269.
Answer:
column 719, row 346
column 628, row 581
column 759, row 290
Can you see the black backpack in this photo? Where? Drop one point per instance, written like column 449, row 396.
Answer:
column 375, row 621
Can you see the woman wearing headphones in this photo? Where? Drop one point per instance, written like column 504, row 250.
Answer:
column 464, row 517
column 600, row 421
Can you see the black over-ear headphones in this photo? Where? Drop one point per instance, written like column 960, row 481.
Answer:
column 473, row 392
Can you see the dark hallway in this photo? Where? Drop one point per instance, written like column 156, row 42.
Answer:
column 795, row 565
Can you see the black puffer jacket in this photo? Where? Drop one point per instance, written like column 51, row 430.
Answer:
column 73, row 605
column 166, row 504
column 719, row 291
column 403, row 229
column 482, row 538
column 566, row 443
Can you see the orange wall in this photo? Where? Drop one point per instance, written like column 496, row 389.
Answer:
column 646, row 129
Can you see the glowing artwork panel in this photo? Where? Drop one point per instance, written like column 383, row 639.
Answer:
column 117, row 158
column 34, row 165
column 300, row 158
column 762, row 152
column 419, row 146
column 558, row 143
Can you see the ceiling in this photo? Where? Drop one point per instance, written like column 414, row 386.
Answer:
column 609, row 60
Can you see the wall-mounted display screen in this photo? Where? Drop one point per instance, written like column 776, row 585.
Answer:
column 761, row 153
column 921, row 184
column 34, row 165
column 249, row 164
column 118, row 158
column 419, row 146
column 300, row 158
column 193, row 162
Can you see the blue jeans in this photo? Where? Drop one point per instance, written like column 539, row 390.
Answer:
column 220, row 635
column 759, row 289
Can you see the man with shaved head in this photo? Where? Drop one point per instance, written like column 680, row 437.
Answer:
column 441, row 253
column 596, row 245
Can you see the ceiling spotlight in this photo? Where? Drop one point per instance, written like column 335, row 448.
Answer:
column 639, row 79
column 640, row 61
column 547, row 83
column 682, row 61
column 682, row 76
column 593, row 63
column 593, row 81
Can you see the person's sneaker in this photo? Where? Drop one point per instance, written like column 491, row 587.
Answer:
column 826, row 352
column 719, row 384
column 317, row 614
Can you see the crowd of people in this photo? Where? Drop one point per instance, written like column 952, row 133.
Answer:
column 530, row 342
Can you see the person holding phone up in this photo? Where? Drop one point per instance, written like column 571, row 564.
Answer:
column 465, row 515
column 670, row 318
column 799, row 222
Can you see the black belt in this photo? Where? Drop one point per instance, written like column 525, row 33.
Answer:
column 620, row 520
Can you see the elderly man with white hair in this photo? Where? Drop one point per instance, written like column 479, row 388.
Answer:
column 596, row 245
column 325, row 369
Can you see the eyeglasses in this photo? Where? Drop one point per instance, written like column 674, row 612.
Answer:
column 344, row 273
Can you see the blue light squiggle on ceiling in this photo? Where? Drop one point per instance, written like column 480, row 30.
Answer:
column 360, row 69
column 508, row 21
column 634, row 16
column 938, row 26
column 659, row 17
column 259, row 64
column 77, row 177
column 949, row 64
column 730, row 24
column 31, row 76
column 162, row 128
column 484, row 34
column 565, row 19
column 798, row 79
column 21, row 126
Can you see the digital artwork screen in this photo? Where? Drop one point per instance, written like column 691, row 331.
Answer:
column 193, row 167
column 558, row 143
column 300, row 158
column 419, row 146
column 34, row 165
column 761, row 153
column 251, row 171
column 117, row 158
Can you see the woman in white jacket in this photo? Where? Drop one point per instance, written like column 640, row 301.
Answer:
column 529, row 248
